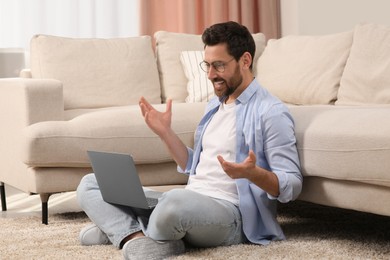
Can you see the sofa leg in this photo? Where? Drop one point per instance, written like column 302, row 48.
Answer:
column 3, row 199
column 45, row 208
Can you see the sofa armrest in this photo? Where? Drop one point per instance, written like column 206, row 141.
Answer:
column 24, row 102
column 28, row 101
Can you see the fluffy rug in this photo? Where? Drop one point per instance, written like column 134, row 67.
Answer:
column 313, row 232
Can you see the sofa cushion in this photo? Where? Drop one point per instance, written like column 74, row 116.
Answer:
column 304, row 69
column 98, row 72
column 118, row 129
column 344, row 142
column 169, row 47
column 366, row 78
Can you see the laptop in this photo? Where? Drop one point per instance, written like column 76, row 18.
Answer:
column 119, row 182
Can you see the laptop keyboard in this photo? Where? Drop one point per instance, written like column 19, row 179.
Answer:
column 152, row 201
column 152, row 197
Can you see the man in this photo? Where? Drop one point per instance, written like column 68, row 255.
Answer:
column 243, row 162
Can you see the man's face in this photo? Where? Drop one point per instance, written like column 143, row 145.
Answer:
column 224, row 71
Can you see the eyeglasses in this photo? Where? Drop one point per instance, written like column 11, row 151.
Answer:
column 217, row 65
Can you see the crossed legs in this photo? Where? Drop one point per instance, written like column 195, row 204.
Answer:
column 180, row 214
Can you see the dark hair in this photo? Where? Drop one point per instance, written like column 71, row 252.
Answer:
column 237, row 37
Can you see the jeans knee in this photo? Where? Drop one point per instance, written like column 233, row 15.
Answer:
column 165, row 221
column 170, row 205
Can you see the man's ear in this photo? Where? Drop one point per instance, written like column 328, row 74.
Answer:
column 246, row 60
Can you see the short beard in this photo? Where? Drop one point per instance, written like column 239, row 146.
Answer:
column 234, row 83
column 231, row 86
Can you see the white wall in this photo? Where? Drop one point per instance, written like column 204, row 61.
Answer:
column 316, row 17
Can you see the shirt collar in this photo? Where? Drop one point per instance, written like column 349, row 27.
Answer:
column 248, row 92
column 243, row 98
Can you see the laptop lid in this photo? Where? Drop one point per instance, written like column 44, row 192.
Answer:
column 118, row 179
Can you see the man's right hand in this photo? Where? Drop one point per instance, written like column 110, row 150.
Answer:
column 158, row 122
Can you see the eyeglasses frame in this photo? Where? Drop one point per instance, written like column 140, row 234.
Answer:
column 209, row 65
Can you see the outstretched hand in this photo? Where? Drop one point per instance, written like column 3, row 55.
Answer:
column 264, row 179
column 158, row 122
column 239, row 170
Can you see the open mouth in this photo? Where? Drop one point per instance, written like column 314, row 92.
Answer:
column 218, row 84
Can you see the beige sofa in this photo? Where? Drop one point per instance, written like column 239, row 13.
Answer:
column 82, row 94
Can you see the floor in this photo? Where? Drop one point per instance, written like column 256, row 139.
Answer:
column 21, row 204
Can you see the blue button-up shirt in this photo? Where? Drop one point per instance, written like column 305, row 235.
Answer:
column 264, row 125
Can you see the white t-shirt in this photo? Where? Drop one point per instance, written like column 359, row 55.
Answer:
column 219, row 139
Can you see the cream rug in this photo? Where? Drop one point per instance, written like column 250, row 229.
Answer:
column 314, row 232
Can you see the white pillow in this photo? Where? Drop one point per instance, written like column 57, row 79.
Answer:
column 366, row 78
column 169, row 45
column 304, row 69
column 199, row 87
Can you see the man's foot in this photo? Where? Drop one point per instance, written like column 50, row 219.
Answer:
column 142, row 248
column 92, row 235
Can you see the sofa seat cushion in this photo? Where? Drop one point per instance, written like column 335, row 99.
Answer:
column 344, row 143
column 119, row 129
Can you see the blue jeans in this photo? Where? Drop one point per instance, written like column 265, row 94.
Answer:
column 180, row 214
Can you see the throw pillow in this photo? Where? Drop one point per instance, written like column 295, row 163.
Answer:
column 199, row 87
column 366, row 78
column 304, row 70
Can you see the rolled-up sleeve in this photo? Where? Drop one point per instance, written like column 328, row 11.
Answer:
column 281, row 153
column 187, row 170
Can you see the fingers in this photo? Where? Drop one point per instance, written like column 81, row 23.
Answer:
column 250, row 159
column 252, row 156
column 220, row 159
column 145, row 106
column 144, row 110
column 225, row 164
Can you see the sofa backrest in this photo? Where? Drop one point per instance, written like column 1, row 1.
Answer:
column 169, row 47
column 348, row 68
column 98, row 72
column 345, row 68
